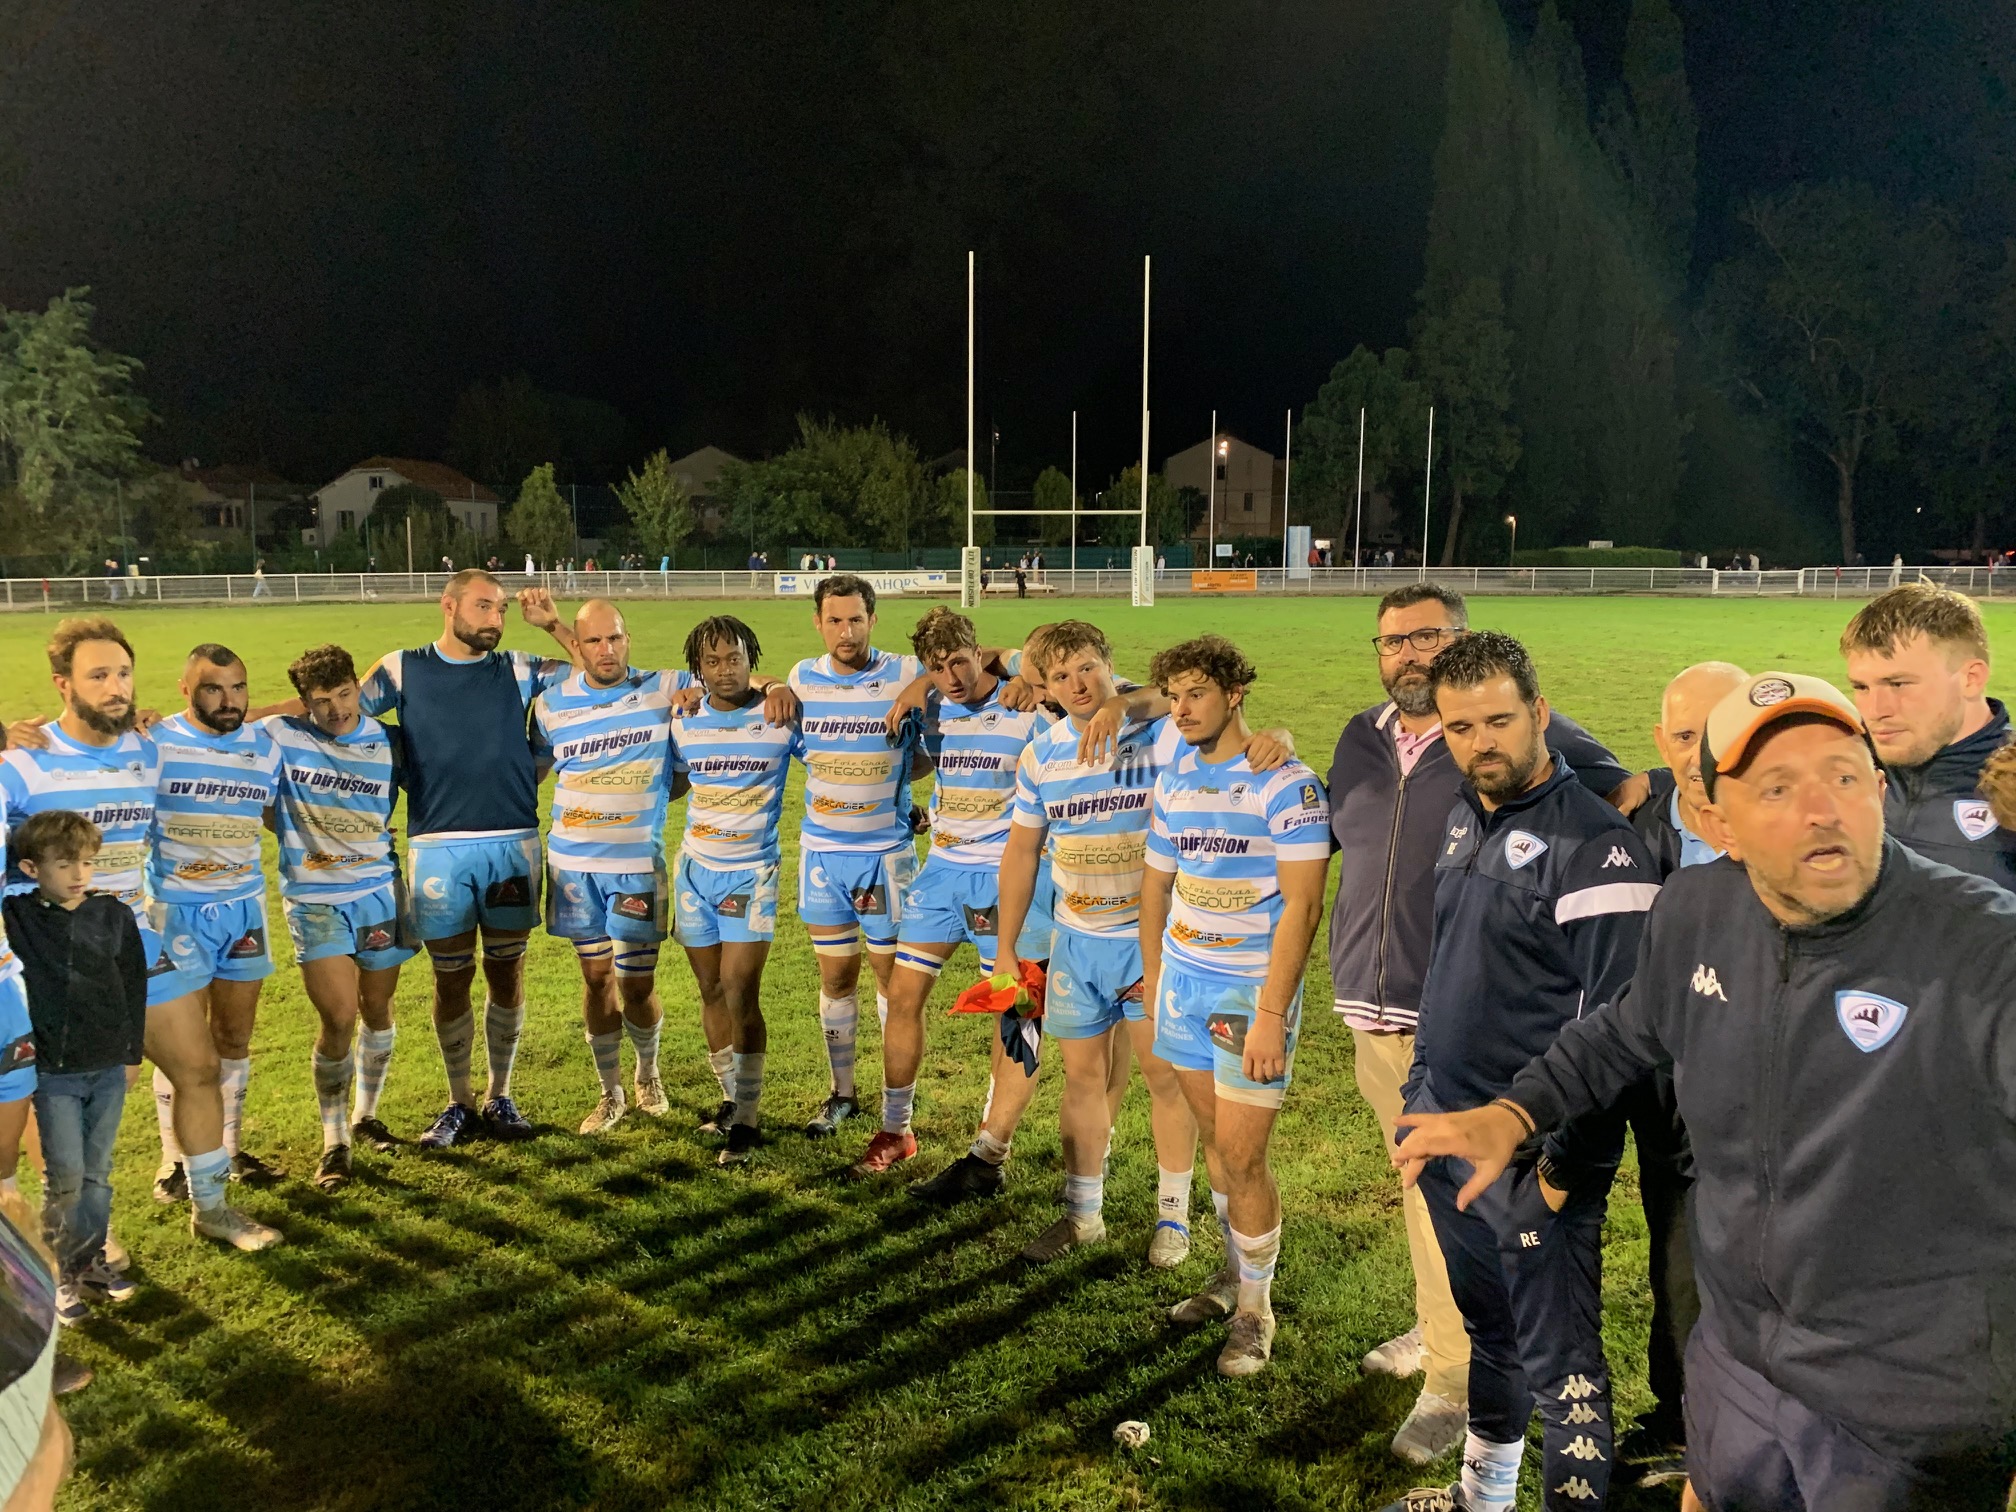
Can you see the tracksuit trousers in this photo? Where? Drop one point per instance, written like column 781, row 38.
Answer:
column 1665, row 1180
column 1530, row 1284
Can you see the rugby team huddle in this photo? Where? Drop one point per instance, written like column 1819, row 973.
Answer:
column 1801, row 1017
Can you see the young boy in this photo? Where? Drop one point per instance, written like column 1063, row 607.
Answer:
column 87, row 998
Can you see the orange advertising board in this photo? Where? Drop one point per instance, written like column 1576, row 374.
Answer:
column 1225, row 580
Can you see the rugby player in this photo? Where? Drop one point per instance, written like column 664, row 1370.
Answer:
column 93, row 762
column 605, row 732
column 1918, row 667
column 1085, row 785
column 975, row 744
column 724, row 882
column 345, row 901
column 1230, row 899
column 856, row 853
column 472, row 825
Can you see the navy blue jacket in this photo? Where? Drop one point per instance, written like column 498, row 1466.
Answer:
column 1539, row 906
column 1850, row 1092
column 1937, row 809
column 1389, row 828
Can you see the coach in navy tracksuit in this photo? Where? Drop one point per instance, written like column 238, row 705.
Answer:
column 1838, row 1016
column 1541, row 890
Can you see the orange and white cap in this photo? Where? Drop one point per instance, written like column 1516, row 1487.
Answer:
column 1735, row 722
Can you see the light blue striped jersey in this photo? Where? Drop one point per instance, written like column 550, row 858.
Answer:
column 112, row 786
column 208, row 808
column 610, row 750
column 1221, row 827
column 977, row 748
column 334, row 809
column 737, row 765
column 10, row 963
column 857, row 788
column 1096, row 817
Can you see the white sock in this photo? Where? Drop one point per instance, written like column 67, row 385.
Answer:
column 502, row 1024
column 1084, row 1196
column 1172, row 1196
column 1222, row 1206
column 840, row 1017
column 332, row 1094
column 644, row 1045
column 1257, row 1256
column 748, row 1087
column 458, row 1043
column 164, row 1114
column 722, row 1063
column 897, row 1103
column 882, row 1012
column 374, row 1059
column 608, row 1052
column 988, row 1148
column 1491, row 1474
column 232, row 1078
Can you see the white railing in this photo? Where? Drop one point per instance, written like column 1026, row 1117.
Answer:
column 353, row 587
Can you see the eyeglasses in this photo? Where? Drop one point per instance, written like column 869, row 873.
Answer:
column 1426, row 639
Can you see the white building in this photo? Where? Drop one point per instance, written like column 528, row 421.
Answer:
column 1247, row 486
column 700, row 471
column 346, row 503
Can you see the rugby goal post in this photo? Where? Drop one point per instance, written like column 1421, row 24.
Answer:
column 971, row 569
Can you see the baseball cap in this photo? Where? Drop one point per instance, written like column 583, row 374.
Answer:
column 1745, row 711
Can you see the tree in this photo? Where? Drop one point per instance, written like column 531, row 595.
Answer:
column 1462, row 358
column 952, row 508
column 1052, row 491
column 659, row 505
column 1326, row 461
column 1828, row 321
column 435, row 531
column 1649, row 131
column 1169, row 518
column 500, row 429
column 539, row 522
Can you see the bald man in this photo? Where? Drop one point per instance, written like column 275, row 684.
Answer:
column 1670, row 824
column 604, row 730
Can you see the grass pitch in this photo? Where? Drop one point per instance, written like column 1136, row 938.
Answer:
column 616, row 1324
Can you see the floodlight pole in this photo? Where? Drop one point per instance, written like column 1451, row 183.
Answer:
column 969, row 558
column 1427, row 492
column 1074, row 499
column 1358, row 520
column 1143, row 574
column 1211, row 497
column 1287, row 472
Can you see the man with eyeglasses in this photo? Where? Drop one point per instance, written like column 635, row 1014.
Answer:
column 1392, row 785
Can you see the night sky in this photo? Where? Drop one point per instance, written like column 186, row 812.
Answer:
column 316, row 222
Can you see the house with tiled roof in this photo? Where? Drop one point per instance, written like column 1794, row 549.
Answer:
column 345, row 503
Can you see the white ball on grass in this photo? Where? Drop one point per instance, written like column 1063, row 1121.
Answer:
column 1130, row 1435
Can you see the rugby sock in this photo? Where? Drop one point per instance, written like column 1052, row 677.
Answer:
column 332, row 1091
column 374, row 1059
column 1257, row 1256
column 1490, row 1474
column 748, row 1087
column 458, row 1039
column 1222, row 1206
column 722, row 1063
column 232, row 1077
column 164, row 1114
column 897, row 1103
column 988, row 1148
column 502, row 1024
column 207, row 1174
column 608, row 1049
column 839, row 1018
column 1172, row 1196
column 644, row 1045
column 882, row 1011
column 1084, row 1196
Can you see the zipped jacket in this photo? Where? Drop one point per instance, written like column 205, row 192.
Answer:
column 1389, row 829
column 1850, row 1092
column 1939, row 812
column 1539, row 905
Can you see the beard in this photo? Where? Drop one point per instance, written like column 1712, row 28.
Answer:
column 222, row 721
column 477, row 640
column 102, row 720
column 1410, row 690
column 1505, row 775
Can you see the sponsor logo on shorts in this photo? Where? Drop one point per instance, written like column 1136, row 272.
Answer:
column 17, row 1054
column 1228, row 1031
column 632, row 906
column 870, row 900
column 981, row 920
column 512, row 892
column 734, row 906
column 248, row 946
column 376, row 937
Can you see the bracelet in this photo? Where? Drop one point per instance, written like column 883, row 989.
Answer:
column 1517, row 1112
column 1272, row 1013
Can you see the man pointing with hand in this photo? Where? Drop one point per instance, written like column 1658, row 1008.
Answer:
column 1836, row 1012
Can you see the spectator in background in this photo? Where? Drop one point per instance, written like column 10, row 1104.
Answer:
column 1022, row 578
column 259, row 588
column 532, row 567
column 111, row 579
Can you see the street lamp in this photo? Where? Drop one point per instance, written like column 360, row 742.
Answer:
column 1211, row 505
column 1512, row 556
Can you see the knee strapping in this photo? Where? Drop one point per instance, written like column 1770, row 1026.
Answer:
column 502, row 952
column 637, row 961
column 837, row 947
column 449, row 962
column 597, row 949
column 881, row 947
column 917, row 961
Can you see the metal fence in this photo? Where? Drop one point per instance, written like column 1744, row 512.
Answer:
column 56, row 593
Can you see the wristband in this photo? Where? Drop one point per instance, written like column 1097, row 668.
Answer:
column 1517, row 1112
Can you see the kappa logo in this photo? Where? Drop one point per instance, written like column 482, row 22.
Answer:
column 1582, row 1412
column 1869, row 1019
column 1618, row 857
column 1579, row 1388
column 1582, row 1447
column 1522, row 849
column 1576, row 1489
column 1974, row 817
column 1707, row 983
